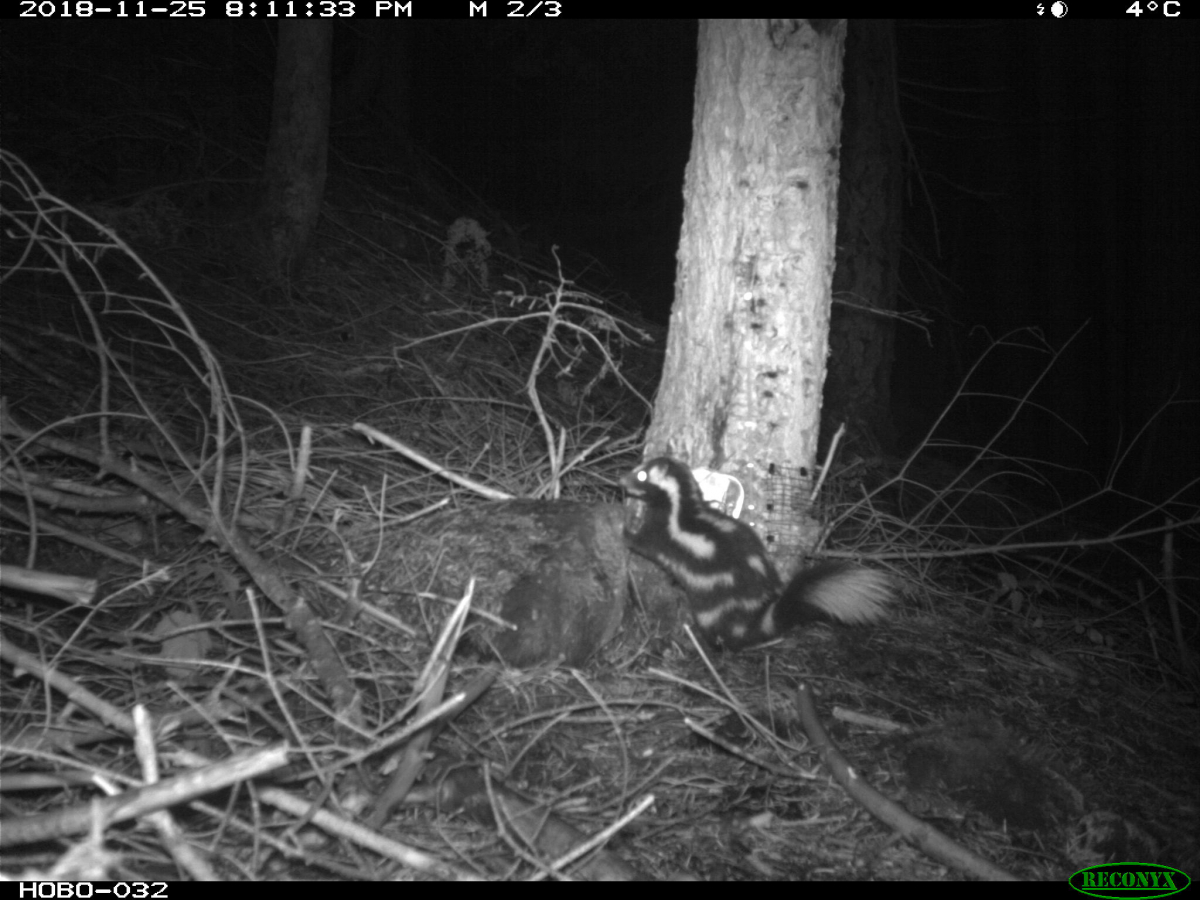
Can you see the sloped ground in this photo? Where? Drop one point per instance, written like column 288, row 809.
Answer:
column 153, row 439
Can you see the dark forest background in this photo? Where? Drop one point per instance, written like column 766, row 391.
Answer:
column 1050, row 181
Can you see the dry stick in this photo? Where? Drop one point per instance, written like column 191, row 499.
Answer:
column 22, row 660
column 300, row 618
column 299, row 480
column 400, row 786
column 50, row 584
column 132, row 804
column 1187, row 661
column 59, row 493
column 925, row 836
column 430, row 687
column 422, row 460
column 40, row 525
column 729, row 700
column 336, row 825
column 184, row 854
column 828, row 465
column 538, row 826
column 139, row 801
column 608, row 864
column 544, row 348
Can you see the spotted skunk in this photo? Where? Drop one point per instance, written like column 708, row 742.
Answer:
column 735, row 595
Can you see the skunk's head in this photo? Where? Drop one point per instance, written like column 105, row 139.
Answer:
column 660, row 483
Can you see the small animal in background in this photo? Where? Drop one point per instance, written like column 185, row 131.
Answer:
column 736, row 597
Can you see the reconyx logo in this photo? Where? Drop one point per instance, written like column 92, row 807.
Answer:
column 1137, row 881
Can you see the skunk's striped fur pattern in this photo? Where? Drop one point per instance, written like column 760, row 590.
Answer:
column 735, row 594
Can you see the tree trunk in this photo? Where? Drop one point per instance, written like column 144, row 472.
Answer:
column 862, row 345
column 745, row 364
column 299, row 142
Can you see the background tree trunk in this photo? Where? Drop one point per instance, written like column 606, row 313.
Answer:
column 299, row 141
column 858, row 389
